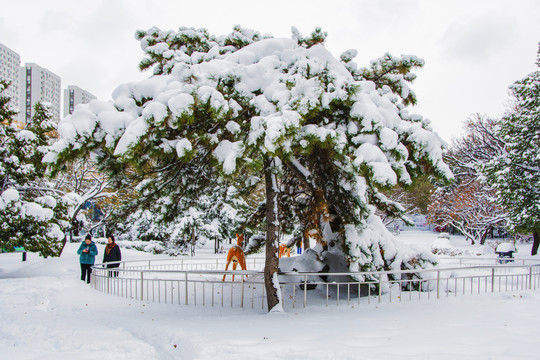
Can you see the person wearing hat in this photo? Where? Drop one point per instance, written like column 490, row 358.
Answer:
column 112, row 254
column 87, row 251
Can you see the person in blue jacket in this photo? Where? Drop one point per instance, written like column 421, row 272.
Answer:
column 87, row 252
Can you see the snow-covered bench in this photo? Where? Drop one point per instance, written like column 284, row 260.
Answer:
column 505, row 252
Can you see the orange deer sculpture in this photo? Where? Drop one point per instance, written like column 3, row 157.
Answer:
column 236, row 255
column 284, row 250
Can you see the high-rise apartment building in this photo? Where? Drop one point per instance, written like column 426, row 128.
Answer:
column 38, row 84
column 74, row 96
column 10, row 63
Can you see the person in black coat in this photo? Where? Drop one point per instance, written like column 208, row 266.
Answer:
column 112, row 253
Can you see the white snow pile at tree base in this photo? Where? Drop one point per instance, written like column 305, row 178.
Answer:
column 375, row 246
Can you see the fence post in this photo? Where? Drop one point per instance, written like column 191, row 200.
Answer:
column 492, row 279
column 530, row 278
column 380, row 287
column 438, row 284
column 142, row 282
column 185, row 280
column 242, row 293
column 305, row 290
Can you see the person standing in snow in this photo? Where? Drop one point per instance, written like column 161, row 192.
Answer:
column 87, row 251
column 112, row 253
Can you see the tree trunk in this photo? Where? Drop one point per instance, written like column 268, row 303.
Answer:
column 300, row 176
column 193, row 241
column 63, row 245
column 305, row 241
column 536, row 243
column 485, row 235
column 271, row 265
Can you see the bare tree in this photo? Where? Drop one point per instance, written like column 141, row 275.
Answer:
column 87, row 186
column 469, row 204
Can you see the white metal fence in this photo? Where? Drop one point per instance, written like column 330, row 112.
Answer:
column 199, row 282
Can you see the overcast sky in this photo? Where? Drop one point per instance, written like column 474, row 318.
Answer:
column 473, row 49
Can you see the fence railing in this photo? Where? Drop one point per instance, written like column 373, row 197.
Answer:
column 469, row 261
column 199, row 282
column 188, row 263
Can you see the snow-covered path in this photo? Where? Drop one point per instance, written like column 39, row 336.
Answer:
column 47, row 313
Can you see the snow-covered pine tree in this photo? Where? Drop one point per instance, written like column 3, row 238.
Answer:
column 256, row 110
column 516, row 173
column 214, row 216
column 332, row 178
column 32, row 211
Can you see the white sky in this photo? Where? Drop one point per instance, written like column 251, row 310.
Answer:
column 474, row 49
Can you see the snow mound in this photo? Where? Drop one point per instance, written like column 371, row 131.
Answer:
column 484, row 250
column 443, row 246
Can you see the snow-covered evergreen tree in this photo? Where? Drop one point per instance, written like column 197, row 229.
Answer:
column 214, row 216
column 516, row 173
column 32, row 211
column 258, row 110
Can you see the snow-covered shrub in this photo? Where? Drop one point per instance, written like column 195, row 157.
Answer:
column 442, row 246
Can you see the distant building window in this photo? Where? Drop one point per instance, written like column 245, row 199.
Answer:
column 28, row 94
column 71, row 100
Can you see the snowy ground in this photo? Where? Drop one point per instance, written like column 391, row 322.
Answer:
column 46, row 312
